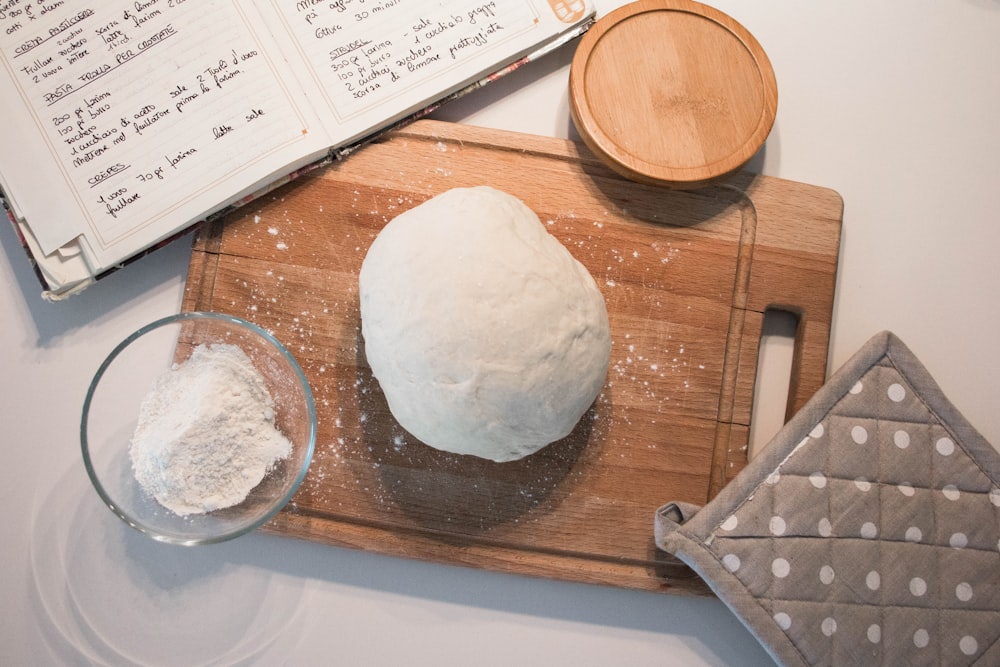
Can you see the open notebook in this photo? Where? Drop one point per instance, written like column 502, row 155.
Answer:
column 124, row 123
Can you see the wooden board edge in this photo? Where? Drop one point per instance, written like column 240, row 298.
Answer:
column 519, row 142
column 664, row 573
column 203, row 267
column 796, row 245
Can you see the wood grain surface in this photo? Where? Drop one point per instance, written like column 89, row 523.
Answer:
column 672, row 92
column 687, row 277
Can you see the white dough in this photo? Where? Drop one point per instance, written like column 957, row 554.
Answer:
column 485, row 334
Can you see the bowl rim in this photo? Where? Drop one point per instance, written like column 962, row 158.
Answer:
column 131, row 338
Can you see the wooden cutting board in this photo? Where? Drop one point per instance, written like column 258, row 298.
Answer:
column 687, row 277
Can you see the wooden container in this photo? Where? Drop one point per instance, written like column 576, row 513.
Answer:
column 672, row 92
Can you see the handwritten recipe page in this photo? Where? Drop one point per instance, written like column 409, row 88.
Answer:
column 134, row 119
column 385, row 54
column 145, row 107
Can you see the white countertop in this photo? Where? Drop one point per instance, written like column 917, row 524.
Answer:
column 894, row 104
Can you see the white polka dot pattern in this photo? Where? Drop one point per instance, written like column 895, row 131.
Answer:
column 896, row 392
column 901, row 439
column 845, row 539
column 731, row 562
column 968, row 645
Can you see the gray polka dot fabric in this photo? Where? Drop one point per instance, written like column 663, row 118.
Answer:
column 866, row 533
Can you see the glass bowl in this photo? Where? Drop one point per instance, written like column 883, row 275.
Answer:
column 111, row 413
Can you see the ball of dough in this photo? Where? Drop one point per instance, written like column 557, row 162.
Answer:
column 487, row 337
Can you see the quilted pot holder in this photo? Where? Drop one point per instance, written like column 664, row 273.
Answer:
column 867, row 532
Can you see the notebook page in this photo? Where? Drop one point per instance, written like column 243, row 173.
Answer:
column 381, row 60
column 147, row 115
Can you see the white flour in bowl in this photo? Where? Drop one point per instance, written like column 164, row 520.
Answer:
column 206, row 435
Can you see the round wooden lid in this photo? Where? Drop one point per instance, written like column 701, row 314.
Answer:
column 672, row 92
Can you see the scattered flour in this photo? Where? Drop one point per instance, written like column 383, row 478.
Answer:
column 206, row 435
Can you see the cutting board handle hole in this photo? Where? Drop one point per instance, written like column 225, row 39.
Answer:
column 774, row 377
